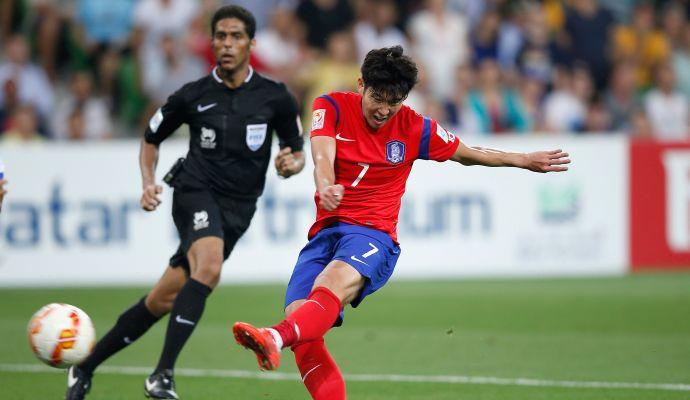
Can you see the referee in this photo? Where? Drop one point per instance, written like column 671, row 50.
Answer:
column 232, row 114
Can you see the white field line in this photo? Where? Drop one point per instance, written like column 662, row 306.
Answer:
column 451, row 379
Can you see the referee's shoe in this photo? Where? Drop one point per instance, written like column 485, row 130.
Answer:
column 78, row 383
column 161, row 385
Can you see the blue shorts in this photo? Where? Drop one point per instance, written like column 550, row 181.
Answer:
column 371, row 252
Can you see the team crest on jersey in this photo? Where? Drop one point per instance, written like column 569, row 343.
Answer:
column 395, row 152
column 256, row 135
column 208, row 138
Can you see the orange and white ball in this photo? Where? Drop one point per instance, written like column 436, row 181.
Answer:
column 61, row 335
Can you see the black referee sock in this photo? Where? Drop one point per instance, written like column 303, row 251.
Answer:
column 129, row 327
column 185, row 314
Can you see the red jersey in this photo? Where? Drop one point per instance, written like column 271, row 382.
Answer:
column 373, row 164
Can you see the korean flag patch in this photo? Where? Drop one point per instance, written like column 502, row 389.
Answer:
column 395, row 152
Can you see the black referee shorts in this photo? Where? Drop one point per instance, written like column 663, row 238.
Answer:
column 198, row 214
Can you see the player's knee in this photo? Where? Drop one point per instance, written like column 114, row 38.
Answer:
column 344, row 290
column 208, row 273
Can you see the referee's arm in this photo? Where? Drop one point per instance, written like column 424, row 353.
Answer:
column 290, row 159
column 161, row 125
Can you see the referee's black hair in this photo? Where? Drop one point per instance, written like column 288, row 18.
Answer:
column 238, row 12
column 389, row 73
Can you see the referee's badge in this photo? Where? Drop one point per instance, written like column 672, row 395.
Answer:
column 256, row 134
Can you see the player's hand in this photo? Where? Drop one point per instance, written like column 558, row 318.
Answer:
column 3, row 191
column 288, row 163
column 331, row 196
column 547, row 161
column 150, row 199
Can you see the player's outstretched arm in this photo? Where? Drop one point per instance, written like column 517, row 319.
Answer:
column 323, row 153
column 148, row 159
column 289, row 162
column 538, row 161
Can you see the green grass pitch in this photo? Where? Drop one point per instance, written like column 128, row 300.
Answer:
column 459, row 340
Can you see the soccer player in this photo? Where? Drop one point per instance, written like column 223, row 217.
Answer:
column 363, row 145
column 231, row 114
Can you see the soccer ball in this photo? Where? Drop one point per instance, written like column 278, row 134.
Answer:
column 61, row 335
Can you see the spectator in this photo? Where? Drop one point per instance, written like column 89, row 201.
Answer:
column 11, row 13
column 439, row 41
column 280, row 46
column 24, row 127
column 640, row 126
column 81, row 111
column 532, row 89
column 170, row 67
column 11, row 96
column 666, row 107
column 589, row 27
column 460, row 116
column 198, row 35
column 47, row 25
column 424, row 102
column 104, row 34
column 564, row 111
column 496, row 108
column 105, row 23
column 598, row 118
column 484, row 39
column 322, row 18
column 621, row 99
column 416, row 99
column 681, row 63
column 32, row 83
column 473, row 9
column 155, row 19
column 642, row 42
column 337, row 70
column 674, row 21
column 554, row 15
column 379, row 29
column 540, row 53
column 511, row 34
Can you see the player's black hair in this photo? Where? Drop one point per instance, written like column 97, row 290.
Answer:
column 238, row 12
column 389, row 73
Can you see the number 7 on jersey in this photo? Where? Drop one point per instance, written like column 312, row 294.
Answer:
column 365, row 167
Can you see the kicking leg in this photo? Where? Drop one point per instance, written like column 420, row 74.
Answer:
column 337, row 285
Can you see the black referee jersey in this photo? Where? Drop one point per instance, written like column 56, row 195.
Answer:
column 231, row 131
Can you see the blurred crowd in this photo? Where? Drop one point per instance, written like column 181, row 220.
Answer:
column 96, row 69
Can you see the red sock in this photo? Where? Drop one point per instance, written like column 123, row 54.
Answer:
column 312, row 319
column 320, row 374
